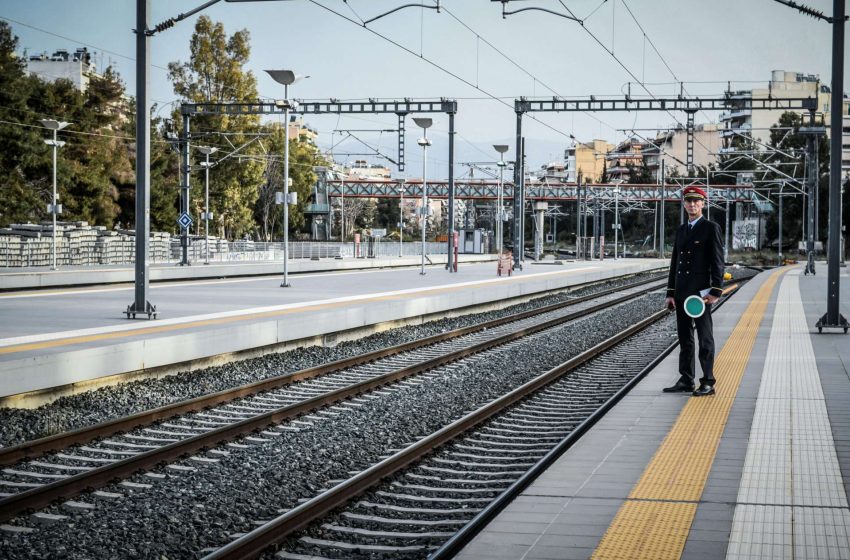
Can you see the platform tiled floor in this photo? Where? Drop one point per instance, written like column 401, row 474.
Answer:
column 791, row 499
column 775, row 489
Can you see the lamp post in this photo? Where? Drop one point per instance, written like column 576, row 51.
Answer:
column 401, row 220
column 501, row 148
column 54, row 209
column 424, row 124
column 287, row 78
column 207, row 151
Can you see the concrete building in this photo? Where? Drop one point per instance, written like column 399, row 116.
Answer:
column 553, row 171
column 361, row 169
column 76, row 67
column 627, row 155
column 782, row 85
column 586, row 159
column 672, row 147
column 299, row 130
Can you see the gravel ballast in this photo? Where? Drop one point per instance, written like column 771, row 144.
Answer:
column 188, row 511
column 106, row 403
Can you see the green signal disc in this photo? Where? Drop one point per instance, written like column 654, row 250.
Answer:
column 694, row 306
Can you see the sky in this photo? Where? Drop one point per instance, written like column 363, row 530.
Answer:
column 467, row 52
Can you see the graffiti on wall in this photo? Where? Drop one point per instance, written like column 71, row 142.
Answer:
column 745, row 234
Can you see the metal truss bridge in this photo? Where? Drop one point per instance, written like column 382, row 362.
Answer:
column 551, row 191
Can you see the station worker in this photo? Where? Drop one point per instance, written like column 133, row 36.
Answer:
column 696, row 268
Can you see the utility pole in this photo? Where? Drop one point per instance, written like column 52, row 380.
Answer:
column 833, row 318
column 184, row 193
column 726, row 233
column 517, row 229
column 143, row 161
column 578, row 215
column 812, row 134
column 663, row 195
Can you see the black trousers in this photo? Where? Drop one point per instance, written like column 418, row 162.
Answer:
column 705, row 337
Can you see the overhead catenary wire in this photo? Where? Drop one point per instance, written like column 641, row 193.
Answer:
column 624, row 67
column 535, row 79
column 431, row 62
column 101, row 49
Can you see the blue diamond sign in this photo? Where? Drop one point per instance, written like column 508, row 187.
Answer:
column 185, row 220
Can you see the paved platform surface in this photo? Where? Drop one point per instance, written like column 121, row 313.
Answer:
column 20, row 278
column 761, row 470
column 50, row 338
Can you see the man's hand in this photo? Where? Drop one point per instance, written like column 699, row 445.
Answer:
column 709, row 299
column 670, row 303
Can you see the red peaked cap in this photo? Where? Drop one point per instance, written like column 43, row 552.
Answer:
column 694, row 192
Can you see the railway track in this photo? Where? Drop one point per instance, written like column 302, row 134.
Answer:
column 429, row 499
column 43, row 471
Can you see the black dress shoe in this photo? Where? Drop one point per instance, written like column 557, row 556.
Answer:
column 680, row 387
column 704, row 390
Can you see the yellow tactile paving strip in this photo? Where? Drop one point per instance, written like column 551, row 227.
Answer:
column 654, row 521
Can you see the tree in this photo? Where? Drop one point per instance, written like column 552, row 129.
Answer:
column 639, row 175
column 164, row 176
column 215, row 73
column 303, row 157
column 26, row 186
column 604, row 178
column 93, row 160
column 266, row 211
column 785, row 136
column 98, row 160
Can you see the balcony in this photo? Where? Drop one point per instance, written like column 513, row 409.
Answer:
column 730, row 132
column 736, row 113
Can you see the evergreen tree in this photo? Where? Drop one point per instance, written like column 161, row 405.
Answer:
column 24, row 164
column 214, row 73
column 93, row 159
column 303, row 157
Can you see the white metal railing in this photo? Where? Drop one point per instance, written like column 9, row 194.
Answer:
column 222, row 252
column 269, row 251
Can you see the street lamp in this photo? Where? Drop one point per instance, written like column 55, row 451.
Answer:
column 424, row 123
column 401, row 220
column 53, row 208
column 501, row 148
column 287, row 78
column 207, row 151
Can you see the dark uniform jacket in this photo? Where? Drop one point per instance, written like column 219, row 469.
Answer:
column 697, row 260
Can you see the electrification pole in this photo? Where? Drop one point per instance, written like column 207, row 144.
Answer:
column 143, row 162
column 833, row 318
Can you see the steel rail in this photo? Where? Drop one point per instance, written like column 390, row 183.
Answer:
column 465, row 535
column 62, row 489
column 253, row 543
column 35, row 448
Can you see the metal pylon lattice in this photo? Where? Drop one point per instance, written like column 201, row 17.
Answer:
column 400, row 164
column 690, row 146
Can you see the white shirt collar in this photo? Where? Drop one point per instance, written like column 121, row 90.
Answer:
column 691, row 224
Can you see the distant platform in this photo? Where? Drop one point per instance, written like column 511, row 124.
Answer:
column 73, row 336
column 759, row 470
column 43, row 277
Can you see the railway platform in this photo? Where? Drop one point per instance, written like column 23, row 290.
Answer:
column 77, row 338
column 24, row 278
column 759, row 470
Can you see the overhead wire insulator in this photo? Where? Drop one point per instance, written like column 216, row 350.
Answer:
column 167, row 24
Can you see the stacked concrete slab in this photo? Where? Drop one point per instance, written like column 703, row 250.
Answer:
column 77, row 243
column 197, row 247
